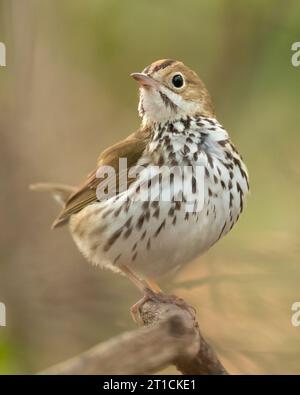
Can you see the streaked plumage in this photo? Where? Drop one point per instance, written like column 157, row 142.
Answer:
column 178, row 128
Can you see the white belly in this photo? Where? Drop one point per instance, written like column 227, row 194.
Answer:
column 153, row 241
column 155, row 238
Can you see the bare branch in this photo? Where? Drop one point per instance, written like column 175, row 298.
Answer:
column 170, row 336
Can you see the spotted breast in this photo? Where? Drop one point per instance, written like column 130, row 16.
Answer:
column 156, row 233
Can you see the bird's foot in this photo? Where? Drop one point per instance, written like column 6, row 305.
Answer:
column 160, row 297
column 135, row 309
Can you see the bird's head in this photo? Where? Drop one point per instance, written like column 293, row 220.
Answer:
column 170, row 90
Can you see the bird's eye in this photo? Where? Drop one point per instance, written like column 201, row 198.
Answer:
column 177, row 80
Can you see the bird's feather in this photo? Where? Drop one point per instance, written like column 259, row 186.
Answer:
column 131, row 148
column 60, row 192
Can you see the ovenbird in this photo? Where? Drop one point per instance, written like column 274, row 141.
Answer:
column 147, row 238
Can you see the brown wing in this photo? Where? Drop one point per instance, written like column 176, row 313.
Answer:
column 131, row 148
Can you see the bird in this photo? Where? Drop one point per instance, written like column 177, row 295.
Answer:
column 147, row 238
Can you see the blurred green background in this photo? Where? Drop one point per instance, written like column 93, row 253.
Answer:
column 66, row 94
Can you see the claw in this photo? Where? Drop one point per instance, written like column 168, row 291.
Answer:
column 135, row 309
column 160, row 297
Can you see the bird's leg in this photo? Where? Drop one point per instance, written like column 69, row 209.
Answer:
column 151, row 291
column 140, row 284
column 153, row 285
column 148, row 287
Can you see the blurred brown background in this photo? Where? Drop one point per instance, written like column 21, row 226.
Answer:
column 66, row 94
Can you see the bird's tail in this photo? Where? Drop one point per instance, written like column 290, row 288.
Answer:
column 60, row 192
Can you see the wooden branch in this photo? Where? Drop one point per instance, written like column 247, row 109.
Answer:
column 170, row 335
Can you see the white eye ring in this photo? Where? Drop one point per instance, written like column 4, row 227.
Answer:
column 177, row 80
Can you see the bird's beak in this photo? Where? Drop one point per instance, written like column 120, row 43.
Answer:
column 144, row 80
